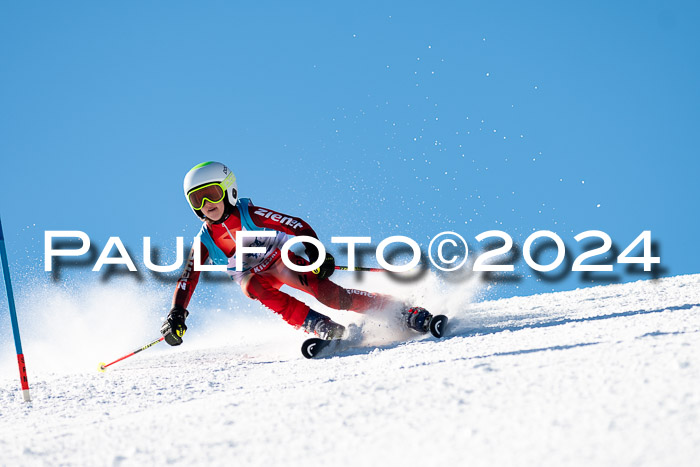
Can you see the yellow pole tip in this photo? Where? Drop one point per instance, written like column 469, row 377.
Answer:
column 102, row 367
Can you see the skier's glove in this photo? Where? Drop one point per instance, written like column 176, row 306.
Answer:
column 328, row 266
column 174, row 327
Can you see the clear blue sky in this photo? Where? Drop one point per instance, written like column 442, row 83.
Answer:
column 405, row 118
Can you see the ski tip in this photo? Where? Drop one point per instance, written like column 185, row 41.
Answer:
column 438, row 325
column 311, row 347
column 101, row 367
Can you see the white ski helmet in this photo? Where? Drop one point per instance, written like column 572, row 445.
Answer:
column 211, row 172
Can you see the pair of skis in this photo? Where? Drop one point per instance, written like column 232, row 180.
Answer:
column 315, row 346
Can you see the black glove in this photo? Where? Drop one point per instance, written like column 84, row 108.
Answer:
column 174, row 327
column 328, row 266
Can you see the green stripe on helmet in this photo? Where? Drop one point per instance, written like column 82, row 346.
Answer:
column 203, row 164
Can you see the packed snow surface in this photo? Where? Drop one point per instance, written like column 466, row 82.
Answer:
column 606, row 375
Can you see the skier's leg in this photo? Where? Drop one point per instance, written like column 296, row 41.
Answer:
column 334, row 296
column 265, row 288
column 331, row 294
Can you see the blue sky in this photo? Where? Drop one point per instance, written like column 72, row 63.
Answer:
column 397, row 118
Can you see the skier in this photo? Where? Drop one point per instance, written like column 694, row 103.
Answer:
column 211, row 191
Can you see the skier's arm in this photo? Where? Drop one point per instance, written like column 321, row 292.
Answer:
column 263, row 217
column 174, row 327
column 188, row 280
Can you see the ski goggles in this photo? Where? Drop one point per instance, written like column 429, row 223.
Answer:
column 213, row 192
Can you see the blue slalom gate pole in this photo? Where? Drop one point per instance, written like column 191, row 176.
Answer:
column 13, row 317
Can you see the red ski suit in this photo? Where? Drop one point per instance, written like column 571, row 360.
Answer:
column 263, row 281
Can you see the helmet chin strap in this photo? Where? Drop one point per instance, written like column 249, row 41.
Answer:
column 223, row 218
column 228, row 209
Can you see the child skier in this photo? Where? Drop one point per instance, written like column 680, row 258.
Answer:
column 211, row 191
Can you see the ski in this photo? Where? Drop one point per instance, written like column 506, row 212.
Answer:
column 438, row 325
column 312, row 347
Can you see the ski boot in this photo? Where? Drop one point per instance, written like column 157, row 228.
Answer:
column 322, row 326
column 419, row 319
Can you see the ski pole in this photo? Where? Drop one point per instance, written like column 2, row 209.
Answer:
column 13, row 318
column 103, row 366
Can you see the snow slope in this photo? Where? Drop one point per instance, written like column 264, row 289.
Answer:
column 607, row 375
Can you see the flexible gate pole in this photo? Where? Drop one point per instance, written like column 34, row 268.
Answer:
column 13, row 317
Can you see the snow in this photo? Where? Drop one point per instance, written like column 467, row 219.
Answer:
column 605, row 375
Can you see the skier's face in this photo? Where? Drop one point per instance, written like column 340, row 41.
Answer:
column 213, row 211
